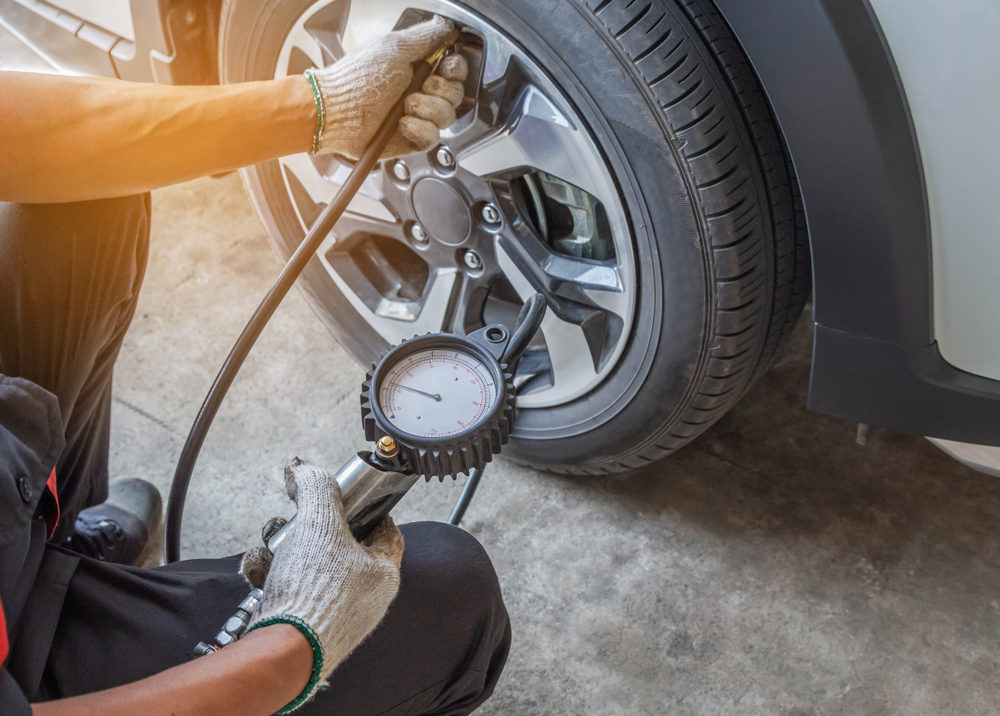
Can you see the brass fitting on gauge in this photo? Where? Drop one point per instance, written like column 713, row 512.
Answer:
column 386, row 448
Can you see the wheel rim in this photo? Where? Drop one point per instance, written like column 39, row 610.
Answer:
column 516, row 199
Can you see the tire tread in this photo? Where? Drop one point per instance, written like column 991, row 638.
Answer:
column 748, row 198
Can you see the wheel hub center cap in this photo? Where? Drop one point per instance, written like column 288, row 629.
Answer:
column 441, row 210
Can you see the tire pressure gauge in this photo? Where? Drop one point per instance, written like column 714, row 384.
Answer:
column 446, row 400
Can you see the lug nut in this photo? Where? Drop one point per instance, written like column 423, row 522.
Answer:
column 444, row 157
column 473, row 261
column 401, row 171
column 491, row 214
column 418, row 234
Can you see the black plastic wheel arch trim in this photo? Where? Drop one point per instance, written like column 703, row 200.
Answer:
column 828, row 73
column 907, row 388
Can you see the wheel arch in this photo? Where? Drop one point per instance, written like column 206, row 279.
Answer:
column 829, row 75
column 834, row 90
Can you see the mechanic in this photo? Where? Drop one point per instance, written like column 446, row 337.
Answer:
column 81, row 629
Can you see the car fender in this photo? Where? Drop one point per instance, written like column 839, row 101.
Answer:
column 830, row 78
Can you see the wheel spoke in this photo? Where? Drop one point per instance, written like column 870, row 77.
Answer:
column 587, row 274
column 326, row 28
column 574, row 288
column 434, row 304
column 499, row 52
column 353, row 228
column 300, row 44
column 312, row 182
column 397, row 320
column 466, row 306
column 312, row 191
column 598, row 285
column 335, row 171
column 534, row 133
column 569, row 352
column 570, row 343
column 614, row 303
column 314, row 41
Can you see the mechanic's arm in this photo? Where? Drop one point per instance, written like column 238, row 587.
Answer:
column 259, row 674
column 75, row 138
column 323, row 594
column 78, row 138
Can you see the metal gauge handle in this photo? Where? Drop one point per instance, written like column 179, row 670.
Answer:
column 368, row 492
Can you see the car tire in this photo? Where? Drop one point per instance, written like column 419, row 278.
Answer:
column 719, row 242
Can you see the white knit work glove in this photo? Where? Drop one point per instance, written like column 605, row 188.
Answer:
column 321, row 580
column 359, row 89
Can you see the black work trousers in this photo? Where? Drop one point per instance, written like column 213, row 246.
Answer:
column 69, row 280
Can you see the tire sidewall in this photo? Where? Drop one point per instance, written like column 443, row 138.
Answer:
column 665, row 353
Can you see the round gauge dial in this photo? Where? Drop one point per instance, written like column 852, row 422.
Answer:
column 437, row 392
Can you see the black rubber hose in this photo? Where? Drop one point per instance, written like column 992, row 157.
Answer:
column 320, row 229
column 528, row 321
column 468, row 492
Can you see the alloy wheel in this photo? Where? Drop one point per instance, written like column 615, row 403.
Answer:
column 517, row 199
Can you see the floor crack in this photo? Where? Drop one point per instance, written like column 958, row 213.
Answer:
column 149, row 416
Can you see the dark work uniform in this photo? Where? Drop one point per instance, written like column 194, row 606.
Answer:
column 69, row 280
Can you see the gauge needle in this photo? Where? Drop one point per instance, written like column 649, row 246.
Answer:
column 435, row 396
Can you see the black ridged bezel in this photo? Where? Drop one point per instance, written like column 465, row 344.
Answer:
column 451, row 454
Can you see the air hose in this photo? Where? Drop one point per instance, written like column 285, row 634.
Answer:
column 320, row 229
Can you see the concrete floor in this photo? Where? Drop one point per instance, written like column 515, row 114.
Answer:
column 772, row 567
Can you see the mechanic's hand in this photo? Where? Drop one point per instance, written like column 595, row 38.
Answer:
column 359, row 90
column 320, row 576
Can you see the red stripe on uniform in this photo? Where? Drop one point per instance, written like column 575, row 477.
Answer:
column 4, row 646
column 52, row 518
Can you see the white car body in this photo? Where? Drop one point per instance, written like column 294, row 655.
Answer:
column 954, row 102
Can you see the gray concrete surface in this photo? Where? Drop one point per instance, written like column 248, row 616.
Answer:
column 772, row 567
